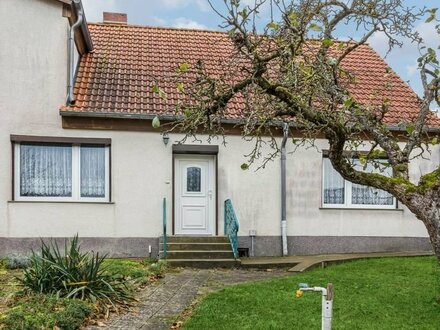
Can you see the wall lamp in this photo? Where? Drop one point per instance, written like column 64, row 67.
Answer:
column 165, row 138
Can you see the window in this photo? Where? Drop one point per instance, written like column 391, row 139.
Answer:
column 341, row 193
column 61, row 172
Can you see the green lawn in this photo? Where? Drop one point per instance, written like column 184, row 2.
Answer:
column 387, row 293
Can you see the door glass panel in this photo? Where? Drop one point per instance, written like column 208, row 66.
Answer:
column 193, row 179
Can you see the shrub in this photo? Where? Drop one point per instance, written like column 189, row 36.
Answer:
column 17, row 262
column 148, row 261
column 137, row 272
column 73, row 274
column 158, row 268
column 130, row 270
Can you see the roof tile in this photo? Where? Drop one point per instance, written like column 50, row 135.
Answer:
column 117, row 76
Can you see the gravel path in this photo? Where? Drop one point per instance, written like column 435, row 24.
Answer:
column 161, row 303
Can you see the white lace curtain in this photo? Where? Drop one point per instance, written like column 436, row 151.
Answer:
column 365, row 195
column 92, row 171
column 334, row 187
column 45, row 170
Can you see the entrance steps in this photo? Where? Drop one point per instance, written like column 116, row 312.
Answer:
column 199, row 252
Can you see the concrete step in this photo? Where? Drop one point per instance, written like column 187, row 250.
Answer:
column 197, row 246
column 199, row 254
column 265, row 265
column 197, row 239
column 204, row 263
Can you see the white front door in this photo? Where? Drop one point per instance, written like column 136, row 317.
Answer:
column 194, row 189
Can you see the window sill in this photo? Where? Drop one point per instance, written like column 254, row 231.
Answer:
column 361, row 209
column 59, row 202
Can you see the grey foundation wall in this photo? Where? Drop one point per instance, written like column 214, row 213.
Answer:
column 123, row 247
column 263, row 245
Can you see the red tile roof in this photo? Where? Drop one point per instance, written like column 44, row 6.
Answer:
column 116, row 78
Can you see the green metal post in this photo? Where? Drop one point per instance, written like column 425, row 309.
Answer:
column 164, row 227
column 226, row 218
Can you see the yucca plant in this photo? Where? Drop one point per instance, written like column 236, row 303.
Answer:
column 73, row 274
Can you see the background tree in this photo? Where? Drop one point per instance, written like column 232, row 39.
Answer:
column 293, row 70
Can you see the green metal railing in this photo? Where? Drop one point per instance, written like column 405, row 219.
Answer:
column 164, row 210
column 231, row 226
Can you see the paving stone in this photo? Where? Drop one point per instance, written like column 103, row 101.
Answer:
column 156, row 324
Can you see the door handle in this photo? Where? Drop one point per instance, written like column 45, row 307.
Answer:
column 210, row 194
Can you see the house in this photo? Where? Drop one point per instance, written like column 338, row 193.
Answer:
column 79, row 154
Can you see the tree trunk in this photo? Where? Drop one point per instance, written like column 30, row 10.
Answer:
column 426, row 208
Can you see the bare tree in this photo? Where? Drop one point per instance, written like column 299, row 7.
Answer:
column 292, row 69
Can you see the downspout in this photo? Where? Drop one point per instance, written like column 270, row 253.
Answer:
column 71, row 51
column 283, row 189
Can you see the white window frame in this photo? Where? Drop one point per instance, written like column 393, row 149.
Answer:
column 76, row 178
column 348, row 197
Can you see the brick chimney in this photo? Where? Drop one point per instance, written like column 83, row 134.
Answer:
column 114, row 18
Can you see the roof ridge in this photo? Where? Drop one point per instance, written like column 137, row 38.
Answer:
column 139, row 26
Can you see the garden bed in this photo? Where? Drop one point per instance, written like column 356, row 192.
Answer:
column 46, row 311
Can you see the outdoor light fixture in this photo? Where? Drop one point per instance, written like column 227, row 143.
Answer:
column 165, row 138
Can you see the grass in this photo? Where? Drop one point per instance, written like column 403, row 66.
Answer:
column 386, row 293
column 8, row 285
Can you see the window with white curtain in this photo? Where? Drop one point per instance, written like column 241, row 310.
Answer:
column 61, row 172
column 338, row 192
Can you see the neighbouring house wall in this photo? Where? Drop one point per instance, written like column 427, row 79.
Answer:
column 33, row 73
column 33, row 63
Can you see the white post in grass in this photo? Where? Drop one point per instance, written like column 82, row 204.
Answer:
column 327, row 302
column 327, row 307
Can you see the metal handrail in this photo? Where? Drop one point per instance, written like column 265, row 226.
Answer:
column 164, row 211
column 231, row 226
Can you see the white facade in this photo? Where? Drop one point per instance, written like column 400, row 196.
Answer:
column 33, row 74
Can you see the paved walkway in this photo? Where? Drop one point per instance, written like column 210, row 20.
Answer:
column 302, row 263
column 161, row 303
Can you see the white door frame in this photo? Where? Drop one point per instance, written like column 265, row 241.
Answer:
column 204, row 202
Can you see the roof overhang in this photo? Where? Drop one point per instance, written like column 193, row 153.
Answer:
column 116, row 115
column 67, row 2
column 167, row 118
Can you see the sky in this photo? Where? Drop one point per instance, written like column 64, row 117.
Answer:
column 197, row 14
